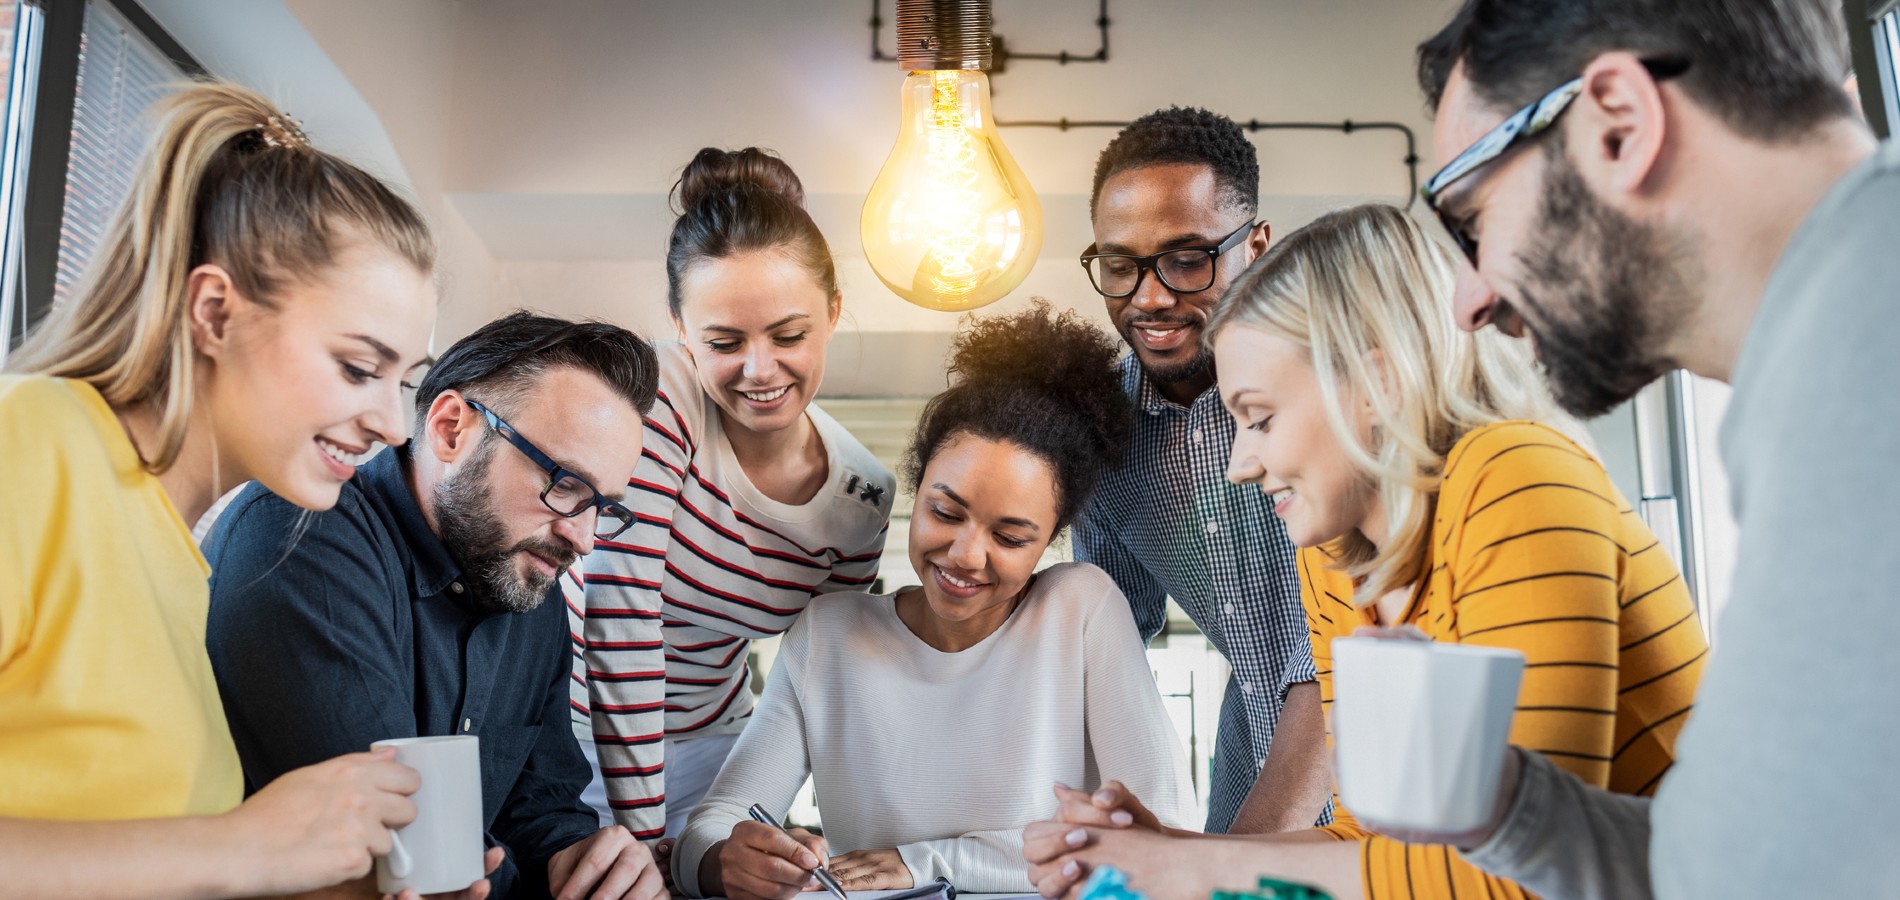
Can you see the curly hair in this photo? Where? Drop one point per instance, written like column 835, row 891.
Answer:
column 1046, row 382
column 1191, row 135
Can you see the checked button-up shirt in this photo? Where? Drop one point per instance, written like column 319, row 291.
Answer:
column 1169, row 524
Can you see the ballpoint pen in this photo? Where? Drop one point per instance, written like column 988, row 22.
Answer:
column 824, row 876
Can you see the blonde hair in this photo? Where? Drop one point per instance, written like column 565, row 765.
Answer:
column 226, row 180
column 1370, row 279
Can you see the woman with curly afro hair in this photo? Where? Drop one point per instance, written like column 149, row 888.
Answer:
column 935, row 720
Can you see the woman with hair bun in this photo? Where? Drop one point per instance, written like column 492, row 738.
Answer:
column 251, row 314
column 934, row 720
column 749, row 500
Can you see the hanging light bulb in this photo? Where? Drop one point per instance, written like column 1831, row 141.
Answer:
column 950, row 223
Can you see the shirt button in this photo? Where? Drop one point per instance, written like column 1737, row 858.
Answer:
column 1213, row 525
column 1246, row 687
column 456, row 587
column 470, row 723
column 1227, row 608
column 1199, row 436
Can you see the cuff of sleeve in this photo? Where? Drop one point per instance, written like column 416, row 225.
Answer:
column 1562, row 837
column 688, row 852
column 1301, row 670
column 507, row 876
column 1521, row 833
column 924, row 862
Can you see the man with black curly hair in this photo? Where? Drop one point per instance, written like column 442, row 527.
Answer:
column 1173, row 208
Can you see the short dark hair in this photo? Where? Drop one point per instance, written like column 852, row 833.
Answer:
column 1769, row 69
column 501, row 361
column 1189, row 135
column 1047, row 383
column 736, row 201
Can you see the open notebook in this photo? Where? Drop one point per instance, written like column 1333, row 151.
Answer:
column 941, row 889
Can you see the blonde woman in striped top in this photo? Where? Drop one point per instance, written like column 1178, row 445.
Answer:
column 1430, row 482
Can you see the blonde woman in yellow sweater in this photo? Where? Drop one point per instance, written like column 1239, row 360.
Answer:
column 250, row 314
column 1429, row 481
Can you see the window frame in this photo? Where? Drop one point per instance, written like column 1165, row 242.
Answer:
column 1873, row 65
column 1886, row 40
column 22, row 80
column 48, row 146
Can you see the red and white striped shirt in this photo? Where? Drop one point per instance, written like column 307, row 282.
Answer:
column 662, row 617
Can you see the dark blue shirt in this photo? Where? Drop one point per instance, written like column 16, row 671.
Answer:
column 331, row 630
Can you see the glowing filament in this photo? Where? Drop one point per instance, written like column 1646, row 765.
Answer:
column 952, row 202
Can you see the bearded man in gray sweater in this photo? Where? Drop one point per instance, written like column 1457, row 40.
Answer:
column 1642, row 185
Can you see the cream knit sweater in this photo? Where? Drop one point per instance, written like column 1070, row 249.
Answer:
column 946, row 756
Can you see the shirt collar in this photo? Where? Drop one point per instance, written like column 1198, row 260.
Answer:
column 1148, row 397
column 385, row 477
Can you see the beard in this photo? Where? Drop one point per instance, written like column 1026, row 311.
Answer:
column 1186, row 370
column 1602, row 294
column 472, row 531
column 1179, row 372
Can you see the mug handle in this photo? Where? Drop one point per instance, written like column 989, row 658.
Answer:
column 398, row 857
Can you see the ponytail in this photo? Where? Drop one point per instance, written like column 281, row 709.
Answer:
column 227, row 180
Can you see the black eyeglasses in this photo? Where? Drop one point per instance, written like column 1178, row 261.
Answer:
column 1514, row 132
column 566, row 493
column 1183, row 270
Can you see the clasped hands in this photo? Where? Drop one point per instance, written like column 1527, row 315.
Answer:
column 1108, row 827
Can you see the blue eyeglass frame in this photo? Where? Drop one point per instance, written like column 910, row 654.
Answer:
column 1523, row 126
column 555, row 473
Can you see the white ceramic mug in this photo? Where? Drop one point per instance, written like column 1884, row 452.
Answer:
column 1420, row 729
column 441, row 851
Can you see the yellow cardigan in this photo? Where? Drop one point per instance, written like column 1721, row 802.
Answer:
column 1532, row 548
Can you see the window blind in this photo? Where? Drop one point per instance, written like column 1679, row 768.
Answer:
column 121, row 73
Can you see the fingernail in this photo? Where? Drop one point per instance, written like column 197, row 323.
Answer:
column 1076, row 838
column 807, row 859
column 1071, row 869
column 1122, row 817
column 1104, row 797
column 1064, row 786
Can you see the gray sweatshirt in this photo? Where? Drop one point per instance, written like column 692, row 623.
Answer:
column 1786, row 782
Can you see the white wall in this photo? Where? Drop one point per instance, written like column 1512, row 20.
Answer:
column 542, row 139
column 400, row 56
column 370, row 81
column 573, row 122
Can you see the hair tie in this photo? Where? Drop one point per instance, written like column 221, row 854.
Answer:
column 283, row 131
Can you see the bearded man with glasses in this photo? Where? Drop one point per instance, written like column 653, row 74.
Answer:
column 1173, row 209
column 426, row 603
column 1642, row 185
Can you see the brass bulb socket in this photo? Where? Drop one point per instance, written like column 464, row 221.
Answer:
column 943, row 34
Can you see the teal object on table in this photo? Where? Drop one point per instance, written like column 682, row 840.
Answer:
column 1109, row 883
column 1275, row 889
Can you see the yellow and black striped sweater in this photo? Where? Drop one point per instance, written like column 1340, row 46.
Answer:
column 1533, row 548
